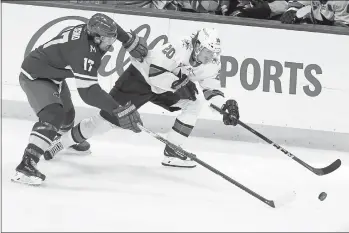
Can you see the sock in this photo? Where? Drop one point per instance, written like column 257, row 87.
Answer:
column 87, row 128
column 40, row 139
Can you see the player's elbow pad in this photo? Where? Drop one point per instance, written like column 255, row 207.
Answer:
column 91, row 95
column 95, row 96
column 209, row 94
column 215, row 97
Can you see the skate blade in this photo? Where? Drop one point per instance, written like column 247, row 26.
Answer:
column 175, row 162
column 28, row 180
column 71, row 151
column 180, row 166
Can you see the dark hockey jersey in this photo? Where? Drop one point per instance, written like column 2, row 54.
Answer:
column 69, row 54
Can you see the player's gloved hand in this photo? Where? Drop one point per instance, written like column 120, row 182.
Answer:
column 185, row 88
column 128, row 117
column 231, row 106
column 136, row 46
column 188, row 92
column 181, row 82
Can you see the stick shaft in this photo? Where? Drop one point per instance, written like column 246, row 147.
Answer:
column 207, row 166
column 317, row 171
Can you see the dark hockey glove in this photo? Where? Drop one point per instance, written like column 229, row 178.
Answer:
column 181, row 82
column 136, row 46
column 128, row 117
column 232, row 108
column 188, row 92
column 185, row 88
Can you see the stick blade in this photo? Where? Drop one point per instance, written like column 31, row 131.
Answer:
column 285, row 199
column 330, row 168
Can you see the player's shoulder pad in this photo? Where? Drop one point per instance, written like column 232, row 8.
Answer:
column 88, row 47
column 78, row 36
column 77, row 32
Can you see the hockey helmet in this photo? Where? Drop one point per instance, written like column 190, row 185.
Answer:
column 209, row 39
column 102, row 25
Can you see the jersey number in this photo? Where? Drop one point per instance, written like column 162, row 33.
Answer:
column 169, row 51
column 89, row 63
column 60, row 40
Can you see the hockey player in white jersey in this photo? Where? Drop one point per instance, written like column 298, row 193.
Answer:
column 166, row 78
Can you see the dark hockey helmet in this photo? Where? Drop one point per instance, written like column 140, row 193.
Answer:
column 102, row 25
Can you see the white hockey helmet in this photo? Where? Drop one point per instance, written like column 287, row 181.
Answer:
column 209, row 39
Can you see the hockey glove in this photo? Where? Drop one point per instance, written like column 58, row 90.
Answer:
column 188, row 92
column 233, row 112
column 128, row 117
column 185, row 88
column 136, row 46
column 181, row 82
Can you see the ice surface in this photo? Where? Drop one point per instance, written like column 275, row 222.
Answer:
column 122, row 186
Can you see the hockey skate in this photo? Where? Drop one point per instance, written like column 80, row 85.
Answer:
column 82, row 148
column 172, row 159
column 27, row 173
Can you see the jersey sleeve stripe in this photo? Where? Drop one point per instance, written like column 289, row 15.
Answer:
column 26, row 74
column 208, row 94
column 31, row 78
column 83, row 83
column 156, row 70
column 159, row 68
column 85, row 77
column 153, row 72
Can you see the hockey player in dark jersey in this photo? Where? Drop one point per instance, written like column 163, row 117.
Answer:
column 74, row 53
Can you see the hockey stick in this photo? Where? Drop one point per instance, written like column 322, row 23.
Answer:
column 272, row 203
column 318, row 171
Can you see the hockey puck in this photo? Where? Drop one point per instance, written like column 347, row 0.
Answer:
column 322, row 196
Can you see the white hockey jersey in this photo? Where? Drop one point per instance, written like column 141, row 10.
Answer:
column 162, row 65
